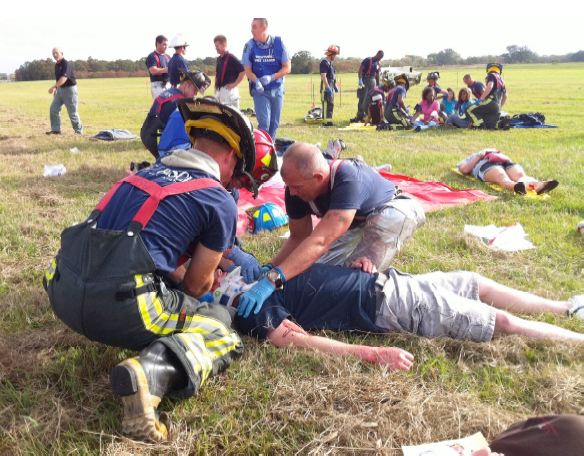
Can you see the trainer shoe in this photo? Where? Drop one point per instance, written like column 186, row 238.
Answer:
column 577, row 308
column 547, row 186
column 140, row 420
column 53, row 132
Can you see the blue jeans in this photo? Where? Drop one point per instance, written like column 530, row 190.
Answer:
column 268, row 107
column 65, row 96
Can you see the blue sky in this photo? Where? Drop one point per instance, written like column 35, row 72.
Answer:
column 116, row 29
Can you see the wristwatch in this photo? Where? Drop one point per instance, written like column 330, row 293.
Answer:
column 275, row 276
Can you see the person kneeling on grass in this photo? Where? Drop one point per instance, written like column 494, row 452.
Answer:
column 461, row 305
column 490, row 165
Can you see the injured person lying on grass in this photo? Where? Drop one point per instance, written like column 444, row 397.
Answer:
column 461, row 305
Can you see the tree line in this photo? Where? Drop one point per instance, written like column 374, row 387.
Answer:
column 302, row 63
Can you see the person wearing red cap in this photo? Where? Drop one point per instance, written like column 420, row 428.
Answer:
column 328, row 82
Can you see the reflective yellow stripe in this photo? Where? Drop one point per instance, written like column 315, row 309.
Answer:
column 157, row 320
column 197, row 354
column 50, row 271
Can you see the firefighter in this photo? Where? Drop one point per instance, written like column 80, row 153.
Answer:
column 486, row 112
column 164, row 105
column 328, row 83
column 396, row 111
column 120, row 277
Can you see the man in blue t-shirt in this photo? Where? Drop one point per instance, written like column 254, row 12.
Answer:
column 136, row 274
column 328, row 83
column 177, row 63
column 157, row 64
column 266, row 62
column 361, row 217
column 461, row 305
column 164, row 105
column 368, row 79
column 476, row 87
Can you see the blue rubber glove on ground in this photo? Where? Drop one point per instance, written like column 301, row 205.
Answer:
column 265, row 80
column 328, row 91
column 207, row 297
column 258, row 86
column 254, row 298
column 250, row 267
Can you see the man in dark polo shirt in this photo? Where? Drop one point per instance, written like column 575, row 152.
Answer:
column 477, row 88
column 361, row 218
column 64, row 93
column 157, row 64
column 228, row 74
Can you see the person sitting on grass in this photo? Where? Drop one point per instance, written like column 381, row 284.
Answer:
column 461, row 305
column 490, row 165
column 457, row 118
column 430, row 108
column 448, row 103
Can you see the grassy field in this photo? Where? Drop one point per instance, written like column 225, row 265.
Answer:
column 54, row 389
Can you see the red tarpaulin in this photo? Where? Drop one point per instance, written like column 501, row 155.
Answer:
column 432, row 195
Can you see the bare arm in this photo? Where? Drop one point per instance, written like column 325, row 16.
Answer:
column 466, row 166
column 250, row 74
column 62, row 80
column 200, row 274
column 300, row 229
column 334, row 224
column 289, row 334
column 157, row 71
column 324, row 79
column 504, row 98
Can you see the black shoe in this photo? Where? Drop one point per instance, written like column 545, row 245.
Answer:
column 328, row 124
column 548, row 186
column 356, row 120
column 519, row 188
column 53, row 132
column 141, row 382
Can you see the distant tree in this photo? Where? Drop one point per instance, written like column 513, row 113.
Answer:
column 36, row 70
column 445, row 57
column 576, row 57
column 415, row 61
column 519, row 54
column 302, row 62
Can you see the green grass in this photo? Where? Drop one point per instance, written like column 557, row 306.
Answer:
column 54, row 390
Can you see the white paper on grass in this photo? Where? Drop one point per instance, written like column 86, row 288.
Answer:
column 464, row 446
column 54, row 170
column 504, row 239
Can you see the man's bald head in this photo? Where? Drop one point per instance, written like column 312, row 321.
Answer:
column 57, row 53
column 304, row 159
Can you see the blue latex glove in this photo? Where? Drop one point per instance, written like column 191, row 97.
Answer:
column 328, row 91
column 250, row 267
column 265, row 268
column 265, row 80
column 254, row 298
column 207, row 297
column 361, row 85
column 258, row 86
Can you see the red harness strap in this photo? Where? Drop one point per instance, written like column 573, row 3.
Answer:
column 161, row 102
column 156, row 194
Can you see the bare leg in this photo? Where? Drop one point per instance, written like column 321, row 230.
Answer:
column 516, row 173
column 502, row 297
column 497, row 175
column 506, row 323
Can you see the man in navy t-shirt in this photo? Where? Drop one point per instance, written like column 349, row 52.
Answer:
column 164, row 105
column 461, row 305
column 476, row 87
column 229, row 73
column 361, row 218
column 177, row 63
column 157, row 64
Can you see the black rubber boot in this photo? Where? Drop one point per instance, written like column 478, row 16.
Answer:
column 142, row 382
